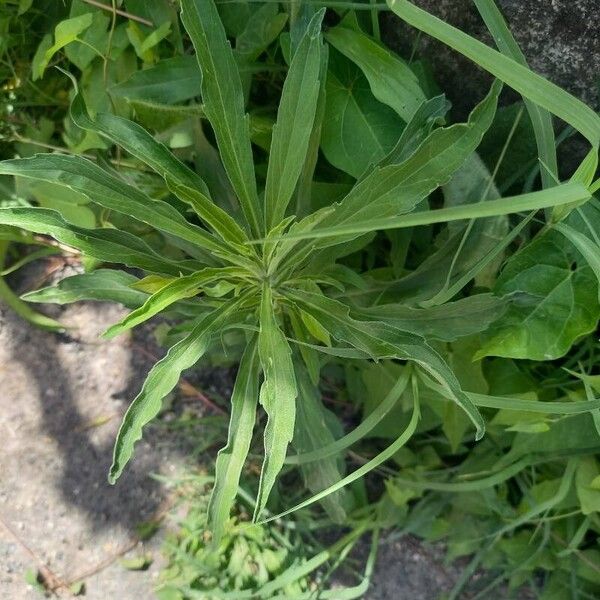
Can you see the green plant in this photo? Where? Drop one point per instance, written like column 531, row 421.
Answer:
column 279, row 260
column 249, row 562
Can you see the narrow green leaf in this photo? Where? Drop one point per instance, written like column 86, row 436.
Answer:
column 138, row 142
column 295, row 118
column 530, row 85
column 449, row 321
column 564, row 194
column 277, row 395
column 391, row 80
column 87, row 178
column 21, row 308
column 393, row 190
column 541, row 119
column 313, row 432
column 214, row 216
column 416, row 130
column 224, row 102
column 375, row 462
column 107, row 245
column 163, row 377
column 103, row 284
column 231, row 458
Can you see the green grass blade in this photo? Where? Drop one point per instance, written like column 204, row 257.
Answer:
column 541, row 119
column 535, row 406
column 231, row 458
column 359, row 432
column 530, row 85
column 107, row 245
column 564, row 194
column 277, row 396
column 162, row 378
column 224, row 102
column 365, row 469
column 83, row 176
column 138, row 142
column 295, row 118
column 391, row 79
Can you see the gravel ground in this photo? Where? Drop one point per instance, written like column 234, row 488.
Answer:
column 61, row 399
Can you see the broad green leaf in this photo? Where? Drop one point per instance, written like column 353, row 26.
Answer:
column 171, row 81
column 447, row 322
column 391, row 80
column 589, row 498
column 378, row 339
column 554, row 301
column 66, row 32
column 530, row 85
column 541, row 119
column 103, row 284
column 162, row 378
column 231, row 458
column 87, row 178
column 277, row 395
column 358, row 130
column 182, row 287
column 93, row 39
column 588, row 249
column 138, row 142
column 261, row 30
column 312, row 434
column 396, row 189
column 295, row 117
column 224, row 102
column 107, row 245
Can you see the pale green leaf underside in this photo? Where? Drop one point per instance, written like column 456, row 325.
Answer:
column 103, row 284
